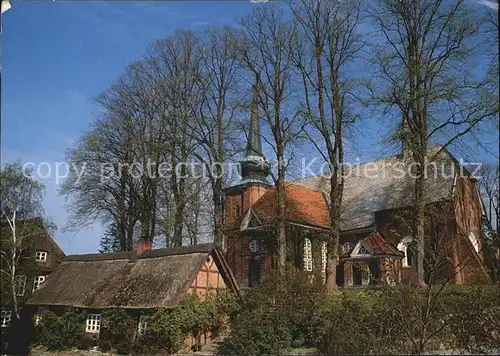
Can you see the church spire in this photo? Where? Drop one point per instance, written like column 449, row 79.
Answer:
column 254, row 144
column 254, row 167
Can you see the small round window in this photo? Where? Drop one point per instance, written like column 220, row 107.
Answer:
column 347, row 247
column 254, row 245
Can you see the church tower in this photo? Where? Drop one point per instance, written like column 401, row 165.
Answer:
column 253, row 168
column 245, row 254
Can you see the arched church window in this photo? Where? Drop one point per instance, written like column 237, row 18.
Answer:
column 404, row 246
column 474, row 241
column 323, row 259
column 308, row 262
column 253, row 272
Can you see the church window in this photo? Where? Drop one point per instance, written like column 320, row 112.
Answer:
column 254, row 245
column 363, row 250
column 347, row 247
column 253, row 273
column 323, row 259
column 237, row 210
column 474, row 241
column 404, row 246
column 308, row 262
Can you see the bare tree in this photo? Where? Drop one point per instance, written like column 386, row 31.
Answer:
column 426, row 69
column 489, row 186
column 213, row 126
column 177, row 64
column 328, row 42
column 265, row 51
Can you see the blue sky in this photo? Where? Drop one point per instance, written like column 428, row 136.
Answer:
column 58, row 55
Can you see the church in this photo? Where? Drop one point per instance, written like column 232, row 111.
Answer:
column 376, row 244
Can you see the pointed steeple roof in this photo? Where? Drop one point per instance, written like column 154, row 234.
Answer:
column 254, row 144
column 254, row 167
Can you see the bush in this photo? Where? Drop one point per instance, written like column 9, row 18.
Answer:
column 361, row 322
column 117, row 331
column 60, row 332
column 274, row 318
column 257, row 332
column 168, row 330
column 473, row 318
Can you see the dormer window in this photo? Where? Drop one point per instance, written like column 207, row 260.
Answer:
column 38, row 282
column 41, row 256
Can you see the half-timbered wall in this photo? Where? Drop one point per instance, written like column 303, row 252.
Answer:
column 208, row 279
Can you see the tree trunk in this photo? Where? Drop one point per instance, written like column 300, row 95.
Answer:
column 419, row 224
column 280, row 190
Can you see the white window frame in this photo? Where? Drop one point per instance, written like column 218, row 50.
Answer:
column 41, row 256
column 324, row 257
column 38, row 281
column 21, row 285
column 403, row 247
column 143, row 325
column 93, row 323
column 6, row 317
column 307, row 255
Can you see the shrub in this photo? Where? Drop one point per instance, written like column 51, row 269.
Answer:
column 360, row 322
column 279, row 313
column 257, row 332
column 473, row 318
column 60, row 332
column 168, row 330
column 117, row 331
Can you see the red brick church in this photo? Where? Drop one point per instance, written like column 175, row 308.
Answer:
column 375, row 245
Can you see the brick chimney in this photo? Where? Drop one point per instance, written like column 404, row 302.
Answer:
column 143, row 245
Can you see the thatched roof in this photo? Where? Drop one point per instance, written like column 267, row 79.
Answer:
column 382, row 185
column 154, row 279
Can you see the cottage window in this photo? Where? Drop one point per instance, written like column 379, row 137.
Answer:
column 308, row 262
column 20, row 285
column 5, row 316
column 143, row 324
column 324, row 250
column 474, row 241
column 37, row 282
column 41, row 256
column 403, row 246
column 93, row 323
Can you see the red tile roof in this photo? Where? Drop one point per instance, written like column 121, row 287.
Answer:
column 303, row 206
column 379, row 246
